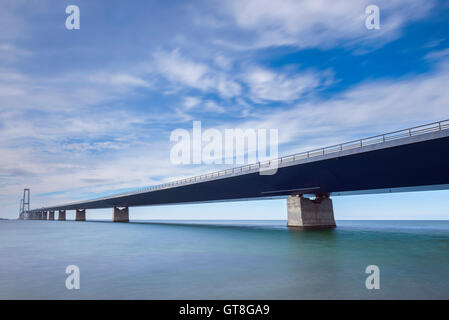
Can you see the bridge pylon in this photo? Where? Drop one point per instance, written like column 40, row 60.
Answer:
column 25, row 204
column 61, row 215
column 120, row 215
column 80, row 215
column 307, row 213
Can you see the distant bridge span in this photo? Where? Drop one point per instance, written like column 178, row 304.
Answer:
column 413, row 159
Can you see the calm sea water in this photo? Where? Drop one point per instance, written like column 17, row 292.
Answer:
column 223, row 260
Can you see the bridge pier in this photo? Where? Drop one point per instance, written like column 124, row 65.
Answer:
column 80, row 215
column 44, row 215
column 61, row 215
column 121, row 215
column 51, row 215
column 307, row 213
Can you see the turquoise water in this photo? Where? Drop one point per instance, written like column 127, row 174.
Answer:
column 223, row 260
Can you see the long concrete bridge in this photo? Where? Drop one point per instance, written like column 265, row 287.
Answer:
column 413, row 159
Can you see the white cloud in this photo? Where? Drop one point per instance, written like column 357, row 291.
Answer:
column 196, row 104
column 371, row 107
column 437, row 54
column 119, row 79
column 9, row 52
column 191, row 102
column 264, row 84
column 222, row 61
column 64, row 94
column 212, row 106
column 318, row 23
column 180, row 70
column 267, row 85
column 227, row 88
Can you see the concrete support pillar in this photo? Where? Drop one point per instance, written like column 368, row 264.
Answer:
column 61, row 215
column 51, row 215
column 27, row 216
column 307, row 213
column 44, row 215
column 80, row 215
column 121, row 215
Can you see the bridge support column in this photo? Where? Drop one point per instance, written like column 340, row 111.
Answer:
column 61, row 215
column 80, row 215
column 51, row 215
column 44, row 215
column 121, row 215
column 27, row 216
column 307, row 213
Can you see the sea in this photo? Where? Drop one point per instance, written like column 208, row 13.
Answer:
column 223, row 259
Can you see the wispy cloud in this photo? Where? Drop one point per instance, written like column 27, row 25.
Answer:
column 437, row 54
column 183, row 71
column 9, row 52
column 267, row 85
column 119, row 80
column 318, row 23
column 368, row 108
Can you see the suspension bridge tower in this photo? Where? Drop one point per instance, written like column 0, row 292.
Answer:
column 24, row 204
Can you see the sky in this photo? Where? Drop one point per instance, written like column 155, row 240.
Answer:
column 89, row 112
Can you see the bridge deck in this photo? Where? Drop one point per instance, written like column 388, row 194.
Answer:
column 411, row 159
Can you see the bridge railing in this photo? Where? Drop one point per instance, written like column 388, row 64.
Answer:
column 413, row 131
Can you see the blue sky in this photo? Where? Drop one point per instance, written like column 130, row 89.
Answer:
column 89, row 112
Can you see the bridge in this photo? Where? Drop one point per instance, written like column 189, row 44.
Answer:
column 413, row 159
